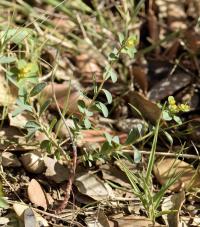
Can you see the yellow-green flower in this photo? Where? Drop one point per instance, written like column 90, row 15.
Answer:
column 23, row 72
column 131, row 42
column 174, row 108
column 171, row 100
column 184, row 107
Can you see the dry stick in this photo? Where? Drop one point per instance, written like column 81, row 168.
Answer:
column 189, row 156
column 74, row 153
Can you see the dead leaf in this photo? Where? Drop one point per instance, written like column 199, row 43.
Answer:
column 140, row 77
column 90, row 185
column 169, row 168
column 192, row 41
column 98, row 220
column 29, row 218
column 13, row 139
column 88, row 66
column 132, row 221
column 176, row 17
column 33, row 162
column 19, row 210
column 114, row 174
column 10, row 160
column 148, row 109
column 61, row 92
column 20, row 120
column 36, row 194
column 55, row 171
column 168, row 86
column 173, row 202
column 4, row 221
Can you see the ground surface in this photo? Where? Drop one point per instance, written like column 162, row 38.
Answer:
column 100, row 121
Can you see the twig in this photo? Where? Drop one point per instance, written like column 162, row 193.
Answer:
column 189, row 156
column 74, row 152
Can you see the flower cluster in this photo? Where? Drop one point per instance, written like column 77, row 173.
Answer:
column 131, row 42
column 24, row 71
column 174, row 108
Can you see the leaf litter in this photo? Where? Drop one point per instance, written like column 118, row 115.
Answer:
column 36, row 170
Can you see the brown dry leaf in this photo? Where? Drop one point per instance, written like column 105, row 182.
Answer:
column 170, row 167
column 20, row 120
column 173, row 202
column 132, row 221
column 153, row 25
column 36, row 194
column 88, row 66
column 98, row 220
column 19, row 210
column 176, row 17
column 29, row 218
column 171, row 52
column 90, row 185
column 33, row 162
column 114, row 174
column 61, row 92
column 13, row 139
column 148, row 109
column 192, row 41
column 140, row 77
column 169, row 86
column 4, row 221
column 10, row 160
column 55, row 171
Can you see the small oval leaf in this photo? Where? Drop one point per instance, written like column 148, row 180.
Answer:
column 102, row 107
column 37, row 89
column 108, row 95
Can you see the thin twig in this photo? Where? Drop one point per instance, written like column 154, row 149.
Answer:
column 74, row 152
column 189, row 156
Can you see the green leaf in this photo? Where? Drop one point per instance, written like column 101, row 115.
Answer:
column 53, row 122
column 15, row 35
column 81, row 106
column 169, row 137
column 44, row 106
column 21, row 106
column 166, row 115
column 32, row 127
column 105, row 147
column 113, row 57
column 57, row 154
column 177, row 120
column 3, row 203
column 108, row 138
column 137, row 155
column 46, row 144
column 17, row 111
column 37, row 89
column 7, row 59
column 133, row 136
column 115, row 139
column 110, row 73
column 88, row 113
column 102, row 107
column 130, row 51
column 108, row 95
column 121, row 38
column 87, row 123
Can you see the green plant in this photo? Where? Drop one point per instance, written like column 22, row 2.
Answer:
column 142, row 185
column 172, row 109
